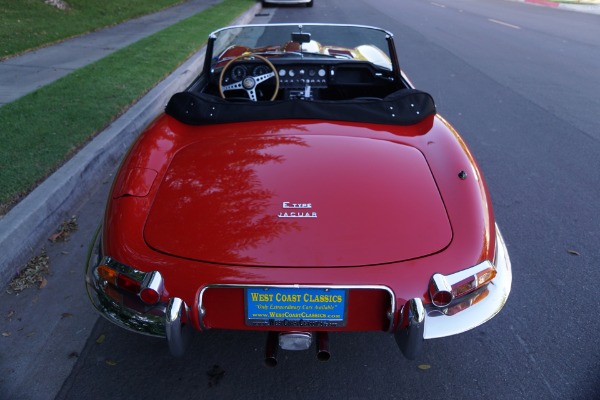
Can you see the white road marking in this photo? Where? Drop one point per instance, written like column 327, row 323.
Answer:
column 504, row 23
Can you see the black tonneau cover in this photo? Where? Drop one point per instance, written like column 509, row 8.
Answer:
column 404, row 107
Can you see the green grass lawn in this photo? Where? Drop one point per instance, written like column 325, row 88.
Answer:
column 28, row 24
column 40, row 131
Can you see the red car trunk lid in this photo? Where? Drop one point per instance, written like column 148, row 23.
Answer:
column 298, row 201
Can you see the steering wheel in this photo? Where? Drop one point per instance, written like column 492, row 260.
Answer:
column 249, row 83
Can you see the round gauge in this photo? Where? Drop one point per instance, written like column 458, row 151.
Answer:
column 260, row 70
column 238, row 73
column 282, row 72
column 322, row 72
column 312, row 72
column 292, row 72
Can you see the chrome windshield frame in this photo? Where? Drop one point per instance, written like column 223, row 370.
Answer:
column 214, row 47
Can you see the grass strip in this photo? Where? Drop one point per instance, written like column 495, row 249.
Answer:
column 40, row 131
column 28, row 24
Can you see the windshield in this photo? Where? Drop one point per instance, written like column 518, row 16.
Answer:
column 349, row 42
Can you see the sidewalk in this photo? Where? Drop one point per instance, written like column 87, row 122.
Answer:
column 24, row 74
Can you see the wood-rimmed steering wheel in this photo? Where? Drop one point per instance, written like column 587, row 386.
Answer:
column 249, row 83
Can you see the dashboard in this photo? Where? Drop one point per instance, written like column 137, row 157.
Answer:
column 311, row 80
column 314, row 75
column 292, row 76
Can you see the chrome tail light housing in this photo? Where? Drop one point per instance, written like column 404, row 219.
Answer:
column 443, row 289
column 147, row 286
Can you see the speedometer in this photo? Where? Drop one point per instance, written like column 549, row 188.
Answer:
column 238, row 73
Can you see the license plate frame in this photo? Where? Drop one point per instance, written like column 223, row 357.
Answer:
column 295, row 307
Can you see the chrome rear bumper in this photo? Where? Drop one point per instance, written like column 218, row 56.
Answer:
column 476, row 308
column 420, row 321
column 430, row 322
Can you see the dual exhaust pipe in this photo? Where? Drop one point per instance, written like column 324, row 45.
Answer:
column 295, row 341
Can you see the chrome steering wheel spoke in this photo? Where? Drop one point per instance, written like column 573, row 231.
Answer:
column 262, row 78
column 233, row 86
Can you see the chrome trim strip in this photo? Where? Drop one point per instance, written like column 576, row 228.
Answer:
column 410, row 339
column 390, row 312
column 177, row 331
column 473, row 311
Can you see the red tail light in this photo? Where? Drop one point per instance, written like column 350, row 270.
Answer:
column 128, row 284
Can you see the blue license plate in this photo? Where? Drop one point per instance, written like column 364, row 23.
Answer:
column 295, row 307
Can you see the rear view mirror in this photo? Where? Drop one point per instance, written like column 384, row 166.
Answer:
column 300, row 37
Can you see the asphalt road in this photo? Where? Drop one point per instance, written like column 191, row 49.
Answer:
column 521, row 84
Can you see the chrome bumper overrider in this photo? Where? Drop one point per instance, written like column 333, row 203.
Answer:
column 178, row 332
column 410, row 339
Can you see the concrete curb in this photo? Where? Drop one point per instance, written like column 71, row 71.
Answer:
column 28, row 225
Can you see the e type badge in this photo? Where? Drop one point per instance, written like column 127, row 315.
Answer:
column 300, row 210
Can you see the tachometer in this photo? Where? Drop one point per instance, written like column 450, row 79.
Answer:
column 260, row 70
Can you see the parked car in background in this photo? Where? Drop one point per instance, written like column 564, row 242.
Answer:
column 307, row 3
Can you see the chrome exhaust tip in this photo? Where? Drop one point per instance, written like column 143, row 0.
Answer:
column 271, row 349
column 323, row 353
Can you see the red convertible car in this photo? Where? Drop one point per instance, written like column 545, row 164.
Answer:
column 301, row 185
